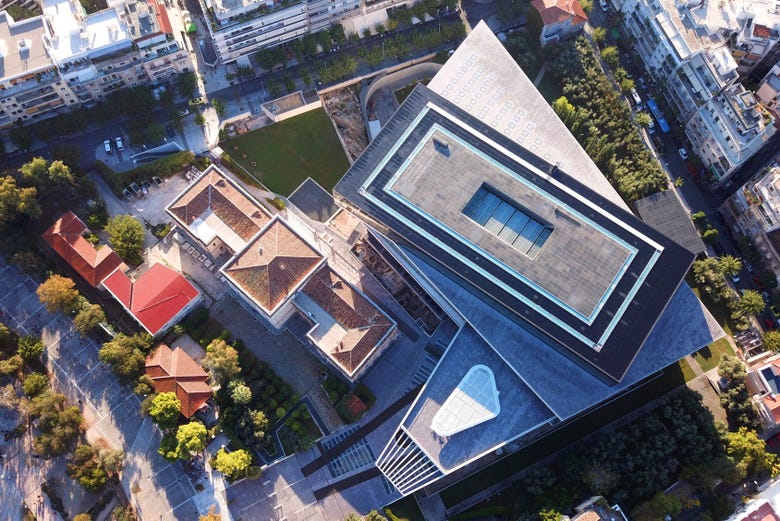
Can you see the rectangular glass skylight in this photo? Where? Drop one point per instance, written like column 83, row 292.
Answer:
column 507, row 221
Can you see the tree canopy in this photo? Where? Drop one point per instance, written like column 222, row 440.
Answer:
column 58, row 293
column 126, row 236
column 233, row 464
column 16, row 201
column 165, row 410
column 126, row 354
column 222, row 359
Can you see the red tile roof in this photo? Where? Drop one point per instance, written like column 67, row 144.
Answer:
column 761, row 31
column 155, row 298
column 772, row 403
column 557, row 11
column 273, row 265
column 66, row 238
column 366, row 326
column 763, row 513
column 173, row 371
column 217, row 193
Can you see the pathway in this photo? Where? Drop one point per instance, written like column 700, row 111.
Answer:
column 540, row 74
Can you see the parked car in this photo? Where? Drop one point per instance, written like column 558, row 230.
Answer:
column 748, row 266
column 637, row 99
column 683, row 154
column 183, row 112
column 194, row 102
column 128, row 195
column 135, row 188
column 774, row 441
column 642, row 83
column 157, row 180
column 119, row 145
column 651, row 127
column 146, row 185
column 604, row 5
column 107, row 146
column 757, row 281
column 735, row 279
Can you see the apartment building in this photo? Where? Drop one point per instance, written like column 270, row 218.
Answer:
column 65, row 58
column 242, row 27
column 696, row 51
column 754, row 210
column 768, row 92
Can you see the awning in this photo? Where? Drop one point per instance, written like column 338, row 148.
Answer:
column 191, row 28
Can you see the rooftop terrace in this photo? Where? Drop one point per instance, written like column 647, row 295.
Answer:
column 21, row 47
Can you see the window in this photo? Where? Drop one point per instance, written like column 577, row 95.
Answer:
column 504, row 219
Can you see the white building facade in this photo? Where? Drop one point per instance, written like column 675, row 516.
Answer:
column 689, row 49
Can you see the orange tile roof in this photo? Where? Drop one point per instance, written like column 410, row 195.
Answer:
column 65, row 237
column 155, row 298
column 773, row 404
column 174, row 371
column 764, row 513
column 557, row 11
column 216, row 192
column 761, row 31
column 272, row 266
column 366, row 325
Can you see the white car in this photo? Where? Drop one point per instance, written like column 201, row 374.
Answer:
column 107, row 146
column 119, row 145
column 604, row 5
column 683, row 154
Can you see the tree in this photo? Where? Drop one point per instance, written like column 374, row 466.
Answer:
column 15, row 201
column 643, row 119
column 211, row 515
column 8, row 339
column 35, row 383
column 658, row 508
column 186, row 83
column 599, row 35
column 219, row 107
column 627, row 85
column 191, row 439
column 58, row 172
column 735, row 399
column 240, row 393
column 260, row 423
column 126, row 354
column 611, row 56
column 710, row 235
column 748, row 453
column 111, row 460
column 35, row 171
column 30, row 348
column 59, row 425
column 233, row 464
column 85, row 468
column 751, row 303
column 165, row 410
column 88, row 318
column 222, row 360
column 549, row 514
column 771, row 341
column 82, row 517
column 58, row 293
column 353, row 517
column 126, row 236
column 729, row 265
column 11, row 365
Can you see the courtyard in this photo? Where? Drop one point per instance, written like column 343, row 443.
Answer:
column 284, row 154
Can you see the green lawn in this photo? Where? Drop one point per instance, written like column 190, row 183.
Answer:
column 709, row 357
column 686, row 370
column 284, row 154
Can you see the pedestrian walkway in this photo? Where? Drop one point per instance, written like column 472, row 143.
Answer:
column 540, row 74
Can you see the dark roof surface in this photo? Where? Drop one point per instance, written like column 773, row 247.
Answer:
column 314, row 201
column 610, row 338
column 664, row 212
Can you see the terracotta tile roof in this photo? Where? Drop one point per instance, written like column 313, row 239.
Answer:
column 155, row 298
column 174, row 371
column 772, row 402
column 366, row 325
column 761, row 31
column 590, row 515
column 272, row 266
column 216, row 192
column 66, row 238
column 557, row 11
column 765, row 512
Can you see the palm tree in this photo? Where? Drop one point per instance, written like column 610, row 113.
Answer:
column 729, row 265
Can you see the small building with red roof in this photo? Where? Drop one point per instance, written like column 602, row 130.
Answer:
column 173, row 371
column 157, row 299
column 763, row 383
column 560, row 19
column 66, row 238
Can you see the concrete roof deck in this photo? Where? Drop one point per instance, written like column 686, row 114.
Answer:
column 521, row 410
column 618, row 311
column 18, row 61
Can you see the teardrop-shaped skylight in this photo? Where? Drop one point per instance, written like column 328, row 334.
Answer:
column 474, row 400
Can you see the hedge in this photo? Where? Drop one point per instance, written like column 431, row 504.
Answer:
column 163, row 167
